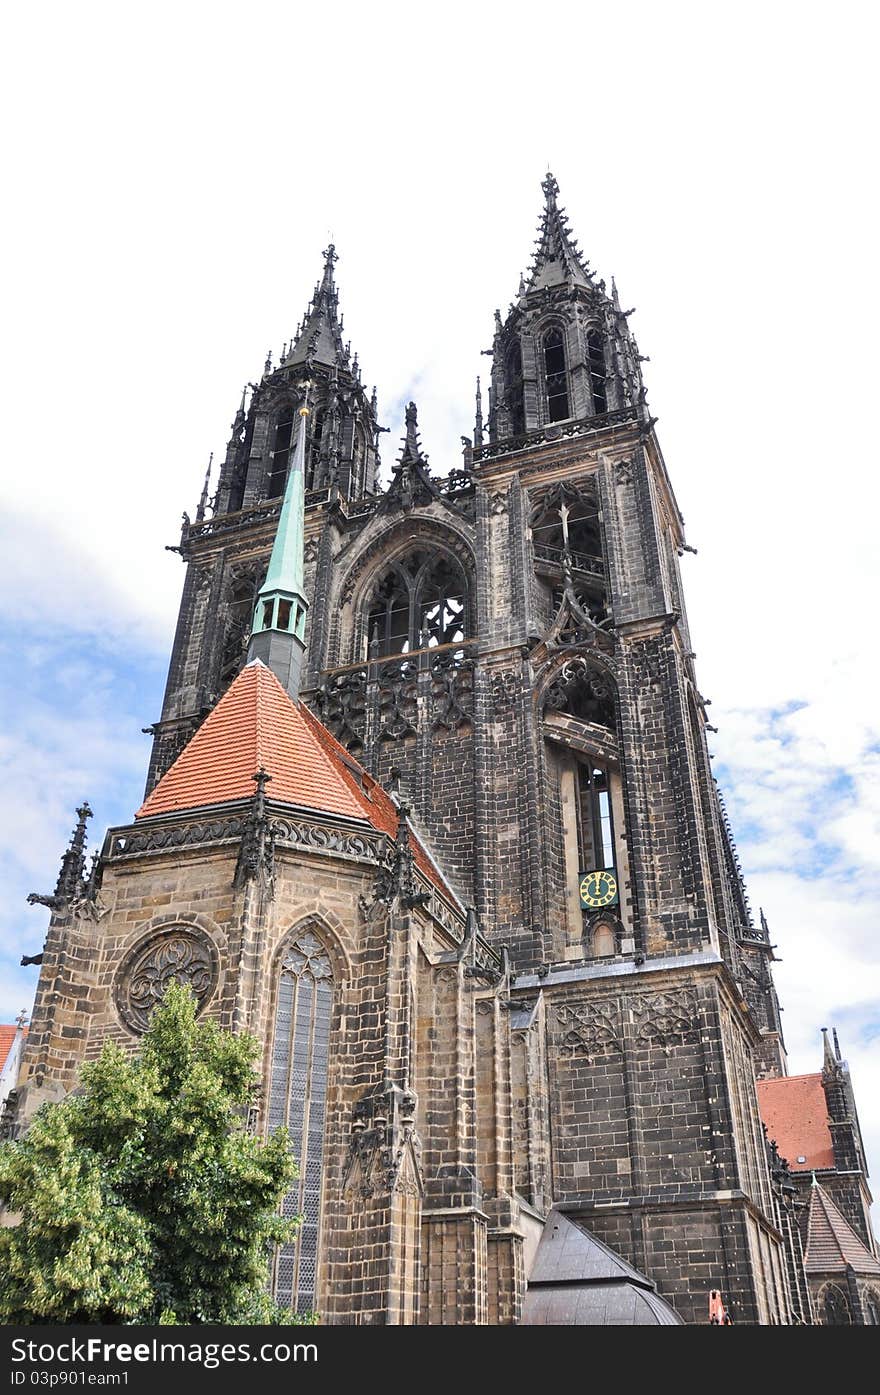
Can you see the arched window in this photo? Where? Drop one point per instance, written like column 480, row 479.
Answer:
column 835, row 1308
column 420, row 602
column 603, row 942
column 555, row 376
column 315, row 470
column 297, row 1100
column 240, row 604
column 872, row 1308
column 596, row 364
column 280, row 454
column 513, row 388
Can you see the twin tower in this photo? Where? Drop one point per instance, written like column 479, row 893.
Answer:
column 453, row 850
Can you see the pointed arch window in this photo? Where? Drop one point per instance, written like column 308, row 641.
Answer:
column 418, row 603
column 835, row 1308
column 598, row 377
column 513, row 389
column 555, row 375
column 280, row 454
column 298, row 1100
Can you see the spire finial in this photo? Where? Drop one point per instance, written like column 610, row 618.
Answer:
column 203, row 501
column 73, row 862
column 550, row 187
column 412, row 448
column 478, row 416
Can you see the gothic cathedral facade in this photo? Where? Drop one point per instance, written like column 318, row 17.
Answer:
column 511, row 975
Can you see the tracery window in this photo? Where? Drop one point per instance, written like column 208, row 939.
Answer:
column 280, row 454
column 555, row 376
column 420, row 602
column 835, row 1308
column 596, row 364
column 297, row 1099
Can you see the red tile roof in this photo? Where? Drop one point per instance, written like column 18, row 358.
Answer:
column 256, row 724
column 795, row 1111
column 7, row 1037
column 831, row 1242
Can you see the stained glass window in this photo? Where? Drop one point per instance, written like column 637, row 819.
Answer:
column 297, row 1099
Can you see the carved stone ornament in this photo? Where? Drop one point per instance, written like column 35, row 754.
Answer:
column 505, row 686
column 498, row 502
column 666, row 1019
column 586, row 1030
column 175, row 955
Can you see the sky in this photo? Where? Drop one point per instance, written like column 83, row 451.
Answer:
column 173, row 173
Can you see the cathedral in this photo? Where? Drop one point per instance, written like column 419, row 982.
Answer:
column 430, row 812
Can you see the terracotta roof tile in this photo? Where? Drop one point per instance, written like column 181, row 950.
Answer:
column 831, row 1242
column 255, row 723
column 795, row 1111
column 7, row 1037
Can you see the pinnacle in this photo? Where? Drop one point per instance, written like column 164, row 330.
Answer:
column 557, row 258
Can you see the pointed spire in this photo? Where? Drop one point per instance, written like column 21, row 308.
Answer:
column 319, row 337
column 73, row 863
column 203, row 501
column 412, row 453
column 478, row 416
column 278, row 632
column 557, row 259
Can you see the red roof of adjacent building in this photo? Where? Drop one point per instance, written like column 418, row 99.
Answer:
column 7, row 1037
column 795, row 1111
column 832, row 1244
column 256, row 724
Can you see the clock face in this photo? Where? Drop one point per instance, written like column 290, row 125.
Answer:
column 598, row 888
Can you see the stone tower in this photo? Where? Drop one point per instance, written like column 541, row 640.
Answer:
column 556, row 1019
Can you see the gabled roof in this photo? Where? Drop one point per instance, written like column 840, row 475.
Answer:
column 795, row 1110
column 576, row 1280
column 7, row 1037
column 256, row 724
column 832, row 1244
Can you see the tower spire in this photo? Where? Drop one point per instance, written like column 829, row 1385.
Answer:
column 320, row 335
column 557, row 257
column 278, row 632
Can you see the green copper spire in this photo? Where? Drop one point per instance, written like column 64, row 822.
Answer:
column 278, row 631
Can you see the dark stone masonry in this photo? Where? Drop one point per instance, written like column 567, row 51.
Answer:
column 505, row 650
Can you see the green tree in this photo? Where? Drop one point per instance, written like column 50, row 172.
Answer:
column 142, row 1197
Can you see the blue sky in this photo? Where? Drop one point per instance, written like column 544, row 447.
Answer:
column 167, row 227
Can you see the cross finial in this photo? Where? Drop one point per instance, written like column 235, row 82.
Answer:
column 261, row 779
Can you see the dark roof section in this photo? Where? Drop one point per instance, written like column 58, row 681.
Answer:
column 577, row 1281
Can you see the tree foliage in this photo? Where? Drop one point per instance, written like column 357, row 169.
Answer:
column 142, row 1197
